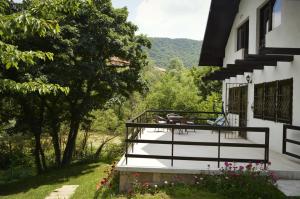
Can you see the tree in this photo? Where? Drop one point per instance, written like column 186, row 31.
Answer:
column 15, row 83
column 175, row 64
column 176, row 91
column 206, row 88
column 90, row 36
column 91, row 33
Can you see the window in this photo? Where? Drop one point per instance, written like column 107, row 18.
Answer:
column 270, row 17
column 259, row 101
column 233, row 106
column 243, row 36
column 285, row 101
column 270, row 101
column 276, row 17
column 265, row 23
column 273, row 101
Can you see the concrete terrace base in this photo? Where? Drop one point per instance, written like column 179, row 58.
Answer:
column 127, row 179
column 157, row 170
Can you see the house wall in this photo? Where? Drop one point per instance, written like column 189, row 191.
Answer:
column 285, row 35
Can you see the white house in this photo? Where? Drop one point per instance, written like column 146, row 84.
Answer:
column 257, row 44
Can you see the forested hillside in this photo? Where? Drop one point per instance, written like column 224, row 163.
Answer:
column 165, row 49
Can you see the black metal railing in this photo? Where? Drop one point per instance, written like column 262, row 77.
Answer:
column 286, row 140
column 134, row 129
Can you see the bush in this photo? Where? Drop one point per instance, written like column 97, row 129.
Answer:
column 252, row 181
column 234, row 182
column 112, row 152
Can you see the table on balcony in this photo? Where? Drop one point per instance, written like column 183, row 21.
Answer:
column 176, row 119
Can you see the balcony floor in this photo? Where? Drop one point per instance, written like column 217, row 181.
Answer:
column 279, row 162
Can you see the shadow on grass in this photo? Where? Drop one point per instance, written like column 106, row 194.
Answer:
column 52, row 177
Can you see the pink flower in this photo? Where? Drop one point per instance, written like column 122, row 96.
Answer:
column 226, row 164
column 249, row 166
column 241, row 168
column 136, row 175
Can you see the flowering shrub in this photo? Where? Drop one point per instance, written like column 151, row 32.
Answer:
column 251, row 181
column 106, row 184
column 233, row 181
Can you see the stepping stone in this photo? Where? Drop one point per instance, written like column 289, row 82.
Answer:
column 65, row 192
column 290, row 188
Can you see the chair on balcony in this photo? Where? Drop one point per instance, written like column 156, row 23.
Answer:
column 190, row 121
column 159, row 120
column 220, row 121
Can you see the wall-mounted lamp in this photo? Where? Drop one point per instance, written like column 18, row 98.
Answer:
column 249, row 79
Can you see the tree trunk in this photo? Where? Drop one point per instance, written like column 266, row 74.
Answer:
column 36, row 127
column 84, row 142
column 38, row 163
column 99, row 150
column 43, row 158
column 55, row 142
column 71, row 143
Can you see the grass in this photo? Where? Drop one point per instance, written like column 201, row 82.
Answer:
column 182, row 192
column 38, row 187
column 86, row 176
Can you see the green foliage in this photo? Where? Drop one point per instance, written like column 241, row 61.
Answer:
column 182, row 88
column 21, row 26
column 251, row 181
column 112, row 152
column 151, row 74
column 10, row 56
column 38, row 86
column 165, row 49
column 39, row 187
column 206, row 88
column 107, row 122
column 174, row 92
column 212, row 103
column 175, row 66
column 82, row 37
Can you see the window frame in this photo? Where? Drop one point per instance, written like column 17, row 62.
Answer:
column 234, row 100
column 268, row 87
column 276, row 116
column 289, row 83
column 256, row 95
column 243, row 36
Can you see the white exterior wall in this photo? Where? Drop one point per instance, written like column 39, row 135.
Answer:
column 285, row 35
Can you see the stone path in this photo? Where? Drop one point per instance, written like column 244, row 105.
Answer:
column 65, row 192
column 290, row 188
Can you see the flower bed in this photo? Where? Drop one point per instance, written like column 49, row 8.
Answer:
column 251, row 181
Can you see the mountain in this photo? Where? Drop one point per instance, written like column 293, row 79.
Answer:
column 165, row 49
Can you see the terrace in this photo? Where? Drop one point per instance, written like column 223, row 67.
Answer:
column 194, row 146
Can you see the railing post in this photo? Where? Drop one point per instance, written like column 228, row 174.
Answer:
column 146, row 117
column 133, row 137
column 172, row 160
column 219, row 147
column 284, row 139
column 139, row 128
column 126, row 144
column 267, row 138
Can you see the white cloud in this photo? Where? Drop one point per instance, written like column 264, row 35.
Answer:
column 173, row 18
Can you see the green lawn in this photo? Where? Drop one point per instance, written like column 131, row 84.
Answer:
column 179, row 193
column 86, row 176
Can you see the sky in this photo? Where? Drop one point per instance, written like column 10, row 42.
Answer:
column 168, row 18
